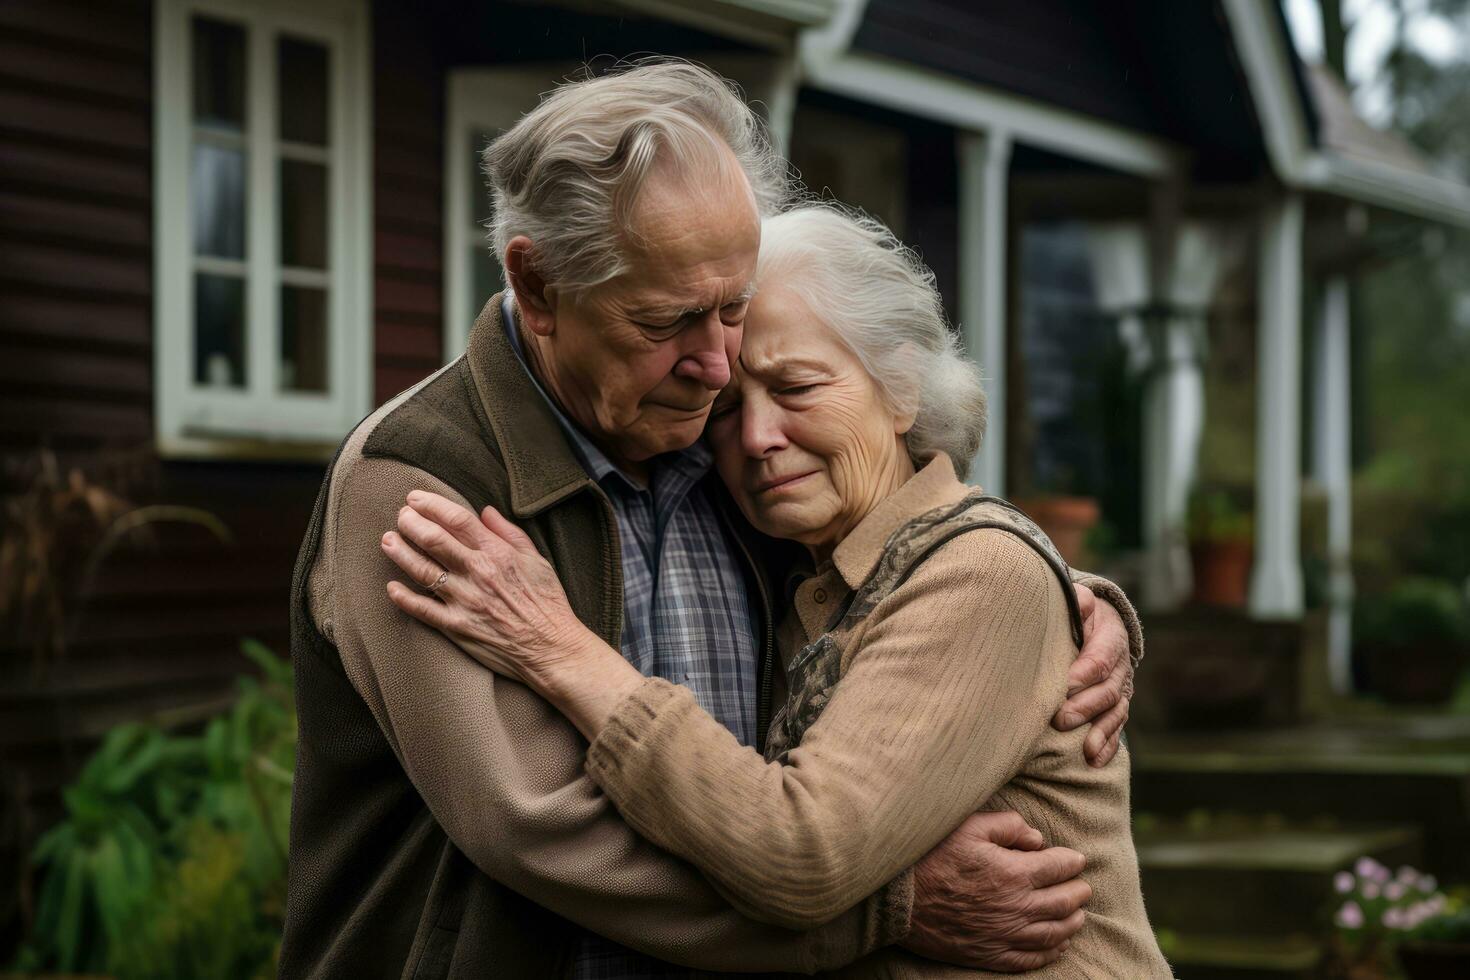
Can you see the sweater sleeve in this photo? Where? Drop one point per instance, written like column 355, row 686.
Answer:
column 502, row 772
column 956, row 678
column 1109, row 592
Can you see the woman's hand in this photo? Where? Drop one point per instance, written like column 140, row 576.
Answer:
column 489, row 589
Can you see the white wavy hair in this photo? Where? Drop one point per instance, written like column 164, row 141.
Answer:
column 568, row 173
column 878, row 297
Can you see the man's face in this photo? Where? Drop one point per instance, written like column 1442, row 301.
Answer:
column 637, row 361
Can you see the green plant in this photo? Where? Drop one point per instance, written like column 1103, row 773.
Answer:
column 171, row 860
column 1417, row 611
column 1215, row 516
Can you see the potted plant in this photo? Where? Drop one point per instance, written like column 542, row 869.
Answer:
column 1221, row 537
column 1413, row 640
column 1439, row 947
column 1384, row 916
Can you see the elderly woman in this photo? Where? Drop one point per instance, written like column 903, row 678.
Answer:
column 925, row 654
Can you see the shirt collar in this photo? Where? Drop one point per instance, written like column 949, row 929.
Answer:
column 936, row 484
column 693, row 462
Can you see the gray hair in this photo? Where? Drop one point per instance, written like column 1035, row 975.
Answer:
column 568, row 173
column 878, row 296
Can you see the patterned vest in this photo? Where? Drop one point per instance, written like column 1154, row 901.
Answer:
column 815, row 671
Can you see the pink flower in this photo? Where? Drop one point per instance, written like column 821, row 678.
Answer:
column 1395, row 918
column 1369, row 869
column 1344, row 882
column 1427, row 884
column 1370, row 889
column 1350, row 916
column 1394, row 891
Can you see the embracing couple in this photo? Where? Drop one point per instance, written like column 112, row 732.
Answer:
column 657, row 634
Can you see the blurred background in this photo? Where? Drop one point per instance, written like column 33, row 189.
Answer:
column 1212, row 256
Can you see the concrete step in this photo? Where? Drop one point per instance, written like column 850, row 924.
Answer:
column 1260, row 876
column 1389, row 771
column 1210, row 956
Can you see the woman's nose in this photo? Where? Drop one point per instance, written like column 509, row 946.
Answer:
column 760, row 428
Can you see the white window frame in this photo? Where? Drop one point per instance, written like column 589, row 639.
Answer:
column 260, row 420
column 490, row 99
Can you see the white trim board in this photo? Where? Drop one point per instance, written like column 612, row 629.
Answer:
column 968, row 106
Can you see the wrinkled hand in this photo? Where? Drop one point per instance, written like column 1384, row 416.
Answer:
column 991, row 897
column 501, row 602
column 1100, row 682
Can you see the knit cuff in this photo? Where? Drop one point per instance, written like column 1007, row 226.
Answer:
column 893, row 910
column 613, row 757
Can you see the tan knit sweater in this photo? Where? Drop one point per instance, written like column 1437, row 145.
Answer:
column 943, row 706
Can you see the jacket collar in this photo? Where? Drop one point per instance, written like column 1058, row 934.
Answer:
column 539, row 462
column 935, row 485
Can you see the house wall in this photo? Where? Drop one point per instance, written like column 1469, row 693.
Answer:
column 160, row 627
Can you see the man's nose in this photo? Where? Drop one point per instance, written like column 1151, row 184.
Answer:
column 705, row 360
column 708, row 367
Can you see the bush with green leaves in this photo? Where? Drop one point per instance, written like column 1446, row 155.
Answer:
column 1416, row 611
column 171, row 860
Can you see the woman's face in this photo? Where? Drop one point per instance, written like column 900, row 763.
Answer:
column 802, row 435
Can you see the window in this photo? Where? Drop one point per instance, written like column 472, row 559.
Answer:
column 262, row 208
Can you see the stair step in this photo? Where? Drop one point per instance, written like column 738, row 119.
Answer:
column 1207, row 956
column 1301, row 850
column 1262, row 877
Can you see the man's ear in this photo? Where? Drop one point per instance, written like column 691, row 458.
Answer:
column 533, row 295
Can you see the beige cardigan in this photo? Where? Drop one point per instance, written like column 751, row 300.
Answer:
column 943, row 707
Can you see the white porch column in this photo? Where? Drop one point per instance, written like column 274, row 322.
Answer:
column 1332, row 447
column 1276, row 579
column 984, row 165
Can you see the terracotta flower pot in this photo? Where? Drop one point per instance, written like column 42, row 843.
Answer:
column 1222, row 572
column 1066, row 520
column 1434, row 960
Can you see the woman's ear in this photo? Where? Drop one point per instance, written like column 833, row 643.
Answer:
column 533, row 296
column 903, row 420
column 906, row 404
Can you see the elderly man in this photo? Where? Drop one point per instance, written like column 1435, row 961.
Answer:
column 442, row 824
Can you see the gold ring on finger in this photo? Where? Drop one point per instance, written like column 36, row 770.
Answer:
column 439, row 583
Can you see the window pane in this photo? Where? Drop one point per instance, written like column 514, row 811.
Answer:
column 219, row 331
column 303, row 339
column 303, row 91
column 303, row 214
column 219, row 74
column 217, row 189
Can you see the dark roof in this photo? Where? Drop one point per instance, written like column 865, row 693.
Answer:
column 1158, row 66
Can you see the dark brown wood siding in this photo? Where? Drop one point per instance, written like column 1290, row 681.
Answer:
column 159, row 628
column 408, row 199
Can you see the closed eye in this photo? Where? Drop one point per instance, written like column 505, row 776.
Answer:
column 797, row 390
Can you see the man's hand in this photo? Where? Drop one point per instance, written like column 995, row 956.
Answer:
column 1100, row 681
column 991, row 897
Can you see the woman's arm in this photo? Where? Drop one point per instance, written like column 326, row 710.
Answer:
column 938, row 710
column 959, row 673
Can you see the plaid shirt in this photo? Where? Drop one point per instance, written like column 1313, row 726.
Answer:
column 687, row 616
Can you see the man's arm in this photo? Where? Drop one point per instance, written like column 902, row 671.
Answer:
column 502, row 772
